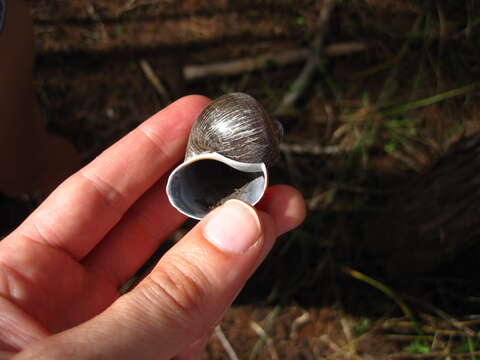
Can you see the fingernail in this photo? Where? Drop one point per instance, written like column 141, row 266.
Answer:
column 233, row 228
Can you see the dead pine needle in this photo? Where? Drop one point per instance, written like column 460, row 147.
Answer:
column 154, row 81
column 298, row 323
column 347, row 330
column 232, row 355
column 264, row 338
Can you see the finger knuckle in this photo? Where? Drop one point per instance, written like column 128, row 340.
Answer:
column 180, row 287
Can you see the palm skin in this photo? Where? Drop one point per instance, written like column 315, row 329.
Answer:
column 65, row 263
column 59, row 291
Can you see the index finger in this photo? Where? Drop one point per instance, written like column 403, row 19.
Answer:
column 81, row 211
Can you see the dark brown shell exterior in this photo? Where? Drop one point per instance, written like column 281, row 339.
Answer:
column 238, row 127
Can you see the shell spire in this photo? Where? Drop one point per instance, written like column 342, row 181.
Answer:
column 238, row 127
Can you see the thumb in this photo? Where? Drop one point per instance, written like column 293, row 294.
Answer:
column 181, row 300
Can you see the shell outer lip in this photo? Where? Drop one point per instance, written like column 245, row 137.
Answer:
column 237, row 165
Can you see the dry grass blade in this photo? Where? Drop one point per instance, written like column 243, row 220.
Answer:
column 347, row 330
column 384, row 289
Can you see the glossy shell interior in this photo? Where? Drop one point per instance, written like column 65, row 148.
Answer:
column 206, row 181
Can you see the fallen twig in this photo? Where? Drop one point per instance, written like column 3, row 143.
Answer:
column 309, row 69
column 234, row 67
column 240, row 66
column 310, row 149
column 94, row 14
column 434, row 354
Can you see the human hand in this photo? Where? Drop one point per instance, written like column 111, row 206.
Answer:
column 61, row 269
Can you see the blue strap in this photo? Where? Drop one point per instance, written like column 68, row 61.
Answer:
column 2, row 14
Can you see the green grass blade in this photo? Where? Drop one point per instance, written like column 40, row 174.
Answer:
column 385, row 290
column 390, row 85
column 399, row 110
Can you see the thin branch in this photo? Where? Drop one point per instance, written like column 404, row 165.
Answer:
column 433, row 354
column 94, row 14
column 309, row 69
column 240, row 66
column 310, row 149
column 234, row 67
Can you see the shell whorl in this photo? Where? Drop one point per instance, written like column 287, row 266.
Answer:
column 236, row 126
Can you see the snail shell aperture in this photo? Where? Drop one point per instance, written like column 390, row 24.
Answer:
column 230, row 147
